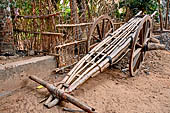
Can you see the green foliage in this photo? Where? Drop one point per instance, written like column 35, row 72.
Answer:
column 6, row 3
column 147, row 6
column 117, row 13
column 65, row 8
column 24, row 6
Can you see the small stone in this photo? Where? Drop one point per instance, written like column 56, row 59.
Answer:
column 146, row 72
column 31, row 52
column 117, row 83
column 13, row 57
column 3, row 57
column 125, row 70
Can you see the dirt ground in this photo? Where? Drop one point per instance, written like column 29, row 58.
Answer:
column 109, row 92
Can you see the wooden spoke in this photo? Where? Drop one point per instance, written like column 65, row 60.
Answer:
column 96, row 37
column 137, row 62
column 141, row 38
column 136, row 58
column 103, row 27
column 137, row 52
column 147, row 39
column 98, row 31
column 107, row 25
column 148, row 30
column 139, row 45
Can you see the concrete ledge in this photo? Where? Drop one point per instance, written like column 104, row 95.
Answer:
column 29, row 66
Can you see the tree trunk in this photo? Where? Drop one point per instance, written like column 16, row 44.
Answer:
column 82, row 10
column 160, row 16
column 167, row 11
column 74, row 14
column 88, row 9
column 75, row 19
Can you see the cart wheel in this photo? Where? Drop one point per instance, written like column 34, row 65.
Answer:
column 99, row 31
column 139, row 45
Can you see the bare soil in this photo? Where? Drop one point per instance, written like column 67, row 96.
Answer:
column 109, row 92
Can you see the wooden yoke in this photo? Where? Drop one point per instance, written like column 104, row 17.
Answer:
column 62, row 95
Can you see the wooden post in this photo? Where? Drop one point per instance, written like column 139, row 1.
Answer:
column 167, row 11
column 160, row 16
